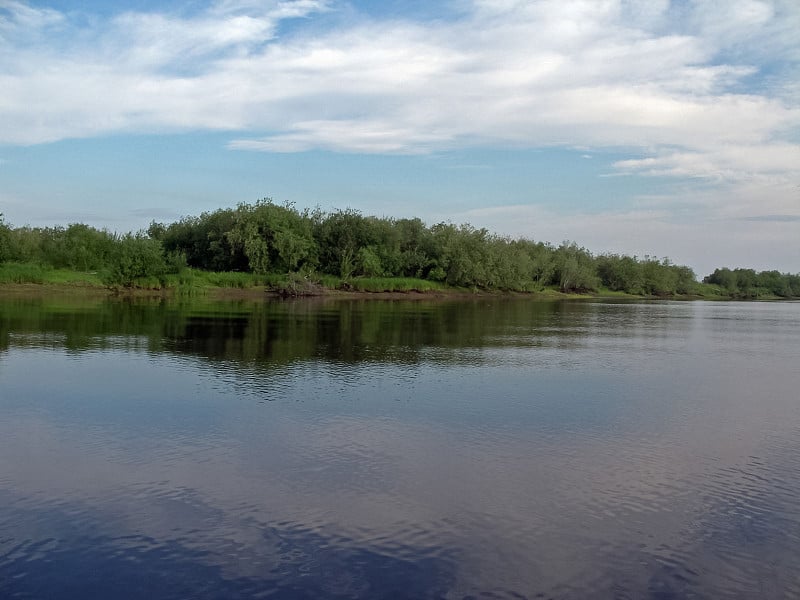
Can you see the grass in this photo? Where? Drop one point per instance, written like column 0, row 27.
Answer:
column 33, row 273
column 393, row 284
column 710, row 291
column 225, row 279
column 194, row 282
column 608, row 293
column 231, row 280
column 21, row 273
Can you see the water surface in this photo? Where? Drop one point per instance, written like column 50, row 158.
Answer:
column 390, row 449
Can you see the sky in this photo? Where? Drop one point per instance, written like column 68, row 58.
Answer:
column 645, row 127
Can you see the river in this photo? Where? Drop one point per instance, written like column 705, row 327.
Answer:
column 497, row 448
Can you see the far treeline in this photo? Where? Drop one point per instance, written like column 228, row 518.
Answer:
column 280, row 245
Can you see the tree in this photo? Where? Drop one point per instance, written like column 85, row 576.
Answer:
column 204, row 240
column 461, row 255
column 621, row 273
column 340, row 236
column 135, row 256
column 775, row 283
column 273, row 238
column 660, row 279
column 724, row 278
column 687, row 280
column 543, row 263
column 574, row 269
column 85, row 248
column 5, row 240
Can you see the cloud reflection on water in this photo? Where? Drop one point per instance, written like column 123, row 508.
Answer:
column 528, row 474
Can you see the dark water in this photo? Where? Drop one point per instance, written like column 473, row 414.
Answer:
column 487, row 449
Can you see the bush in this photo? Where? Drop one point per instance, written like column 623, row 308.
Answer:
column 135, row 256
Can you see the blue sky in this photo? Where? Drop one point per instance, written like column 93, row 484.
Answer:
column 647, row 127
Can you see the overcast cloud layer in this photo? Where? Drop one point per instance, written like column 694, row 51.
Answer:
column 703, row 92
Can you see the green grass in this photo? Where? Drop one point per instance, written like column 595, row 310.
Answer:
column 330, row 282
column 21, row 273
column 196, row 282
column 74, row 277
column 229, row 279
column 394, row 284
column 710, row 290
column 607, row 293
column 33, row 273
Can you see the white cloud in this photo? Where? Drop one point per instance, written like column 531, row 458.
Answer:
column 18, row 16
column 767, row 162
column 731, row 21
column 363, row 136
column 582, row 73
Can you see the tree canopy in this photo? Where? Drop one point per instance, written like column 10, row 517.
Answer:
column 268, row 238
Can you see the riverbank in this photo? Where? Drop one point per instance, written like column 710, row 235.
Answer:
column 90, row 290
column 26, row 280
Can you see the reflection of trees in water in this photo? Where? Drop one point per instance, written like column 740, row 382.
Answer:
column 283, row 332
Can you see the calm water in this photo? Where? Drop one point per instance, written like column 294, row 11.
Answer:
column 493, row 449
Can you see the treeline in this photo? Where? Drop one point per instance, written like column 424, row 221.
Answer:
column 747, row 283
column 268, row 238
column 121, row 260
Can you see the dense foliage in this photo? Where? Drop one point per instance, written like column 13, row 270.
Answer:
column 120, row 260
column 267, row 238
column 746, row 283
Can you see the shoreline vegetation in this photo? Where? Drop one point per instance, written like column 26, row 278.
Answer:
column 264, row 248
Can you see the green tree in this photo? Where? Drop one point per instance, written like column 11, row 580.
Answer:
column 135, row 256
column 25, row 245
column 621, row 273
column 340, row 236
column 687, row 280
column 773, row 282
column 86, row 248
column 461, row 255
column 660, row 279
column 5, row 240
column 724, row 278
column 574, row 269
column 273, row 238
column 203, row 240
column 416, row 248
column 543, row 263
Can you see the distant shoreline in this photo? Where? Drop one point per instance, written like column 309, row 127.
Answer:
column 39, row 290
column 306, row 253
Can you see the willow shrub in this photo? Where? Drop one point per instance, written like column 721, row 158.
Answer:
column 136, row 257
